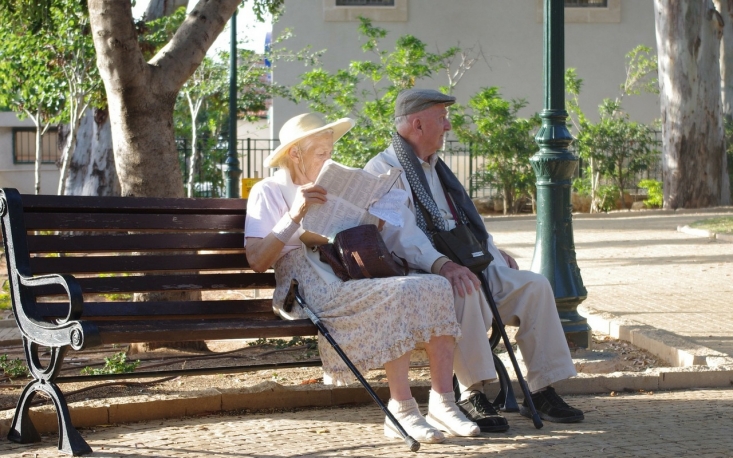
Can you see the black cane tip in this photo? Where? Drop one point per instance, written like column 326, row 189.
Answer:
column 414, row 445
column 537, row 422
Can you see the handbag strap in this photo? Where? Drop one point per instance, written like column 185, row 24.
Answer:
column 448, row 198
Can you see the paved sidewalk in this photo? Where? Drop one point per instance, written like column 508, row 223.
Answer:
column 664, row 424
column 670, row 290
column 666, row 291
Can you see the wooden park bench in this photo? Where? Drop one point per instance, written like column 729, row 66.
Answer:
column 64, row 251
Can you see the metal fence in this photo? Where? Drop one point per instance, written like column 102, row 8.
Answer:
column 252, row 152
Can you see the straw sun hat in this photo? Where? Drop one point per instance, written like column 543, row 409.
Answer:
column 301, row 126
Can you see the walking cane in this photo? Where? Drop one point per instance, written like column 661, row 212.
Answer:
column 293, row 294
column 495, row 311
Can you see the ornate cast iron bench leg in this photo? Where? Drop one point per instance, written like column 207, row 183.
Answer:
column 22, row 430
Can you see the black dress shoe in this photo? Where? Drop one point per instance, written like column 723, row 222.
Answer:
column 551, row 407
column 479, row 410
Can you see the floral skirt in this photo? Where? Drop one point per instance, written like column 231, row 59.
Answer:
column 374, row 321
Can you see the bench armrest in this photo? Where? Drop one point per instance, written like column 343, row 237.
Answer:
column 65, row 331
column 69, row 283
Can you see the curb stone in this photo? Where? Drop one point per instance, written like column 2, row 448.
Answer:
column 705, row 233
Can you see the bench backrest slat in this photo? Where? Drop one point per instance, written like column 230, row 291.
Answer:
column 138, row 264
column 170, row 282
column 131, row 222
column 84, row 204
column 154, row 309
column 80, row 243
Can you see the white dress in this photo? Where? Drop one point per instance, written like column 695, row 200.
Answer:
column 374, row 321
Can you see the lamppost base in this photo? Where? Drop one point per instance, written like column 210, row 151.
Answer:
column 574, row 325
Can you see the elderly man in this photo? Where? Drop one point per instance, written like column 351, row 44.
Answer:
column 524, row 299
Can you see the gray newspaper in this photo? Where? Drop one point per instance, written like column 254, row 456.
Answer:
column 351, row 192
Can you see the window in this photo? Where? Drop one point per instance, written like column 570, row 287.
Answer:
column 586, row 3
column 586, row 11
column 376, row 10
column 24, row 146
column 364, row 2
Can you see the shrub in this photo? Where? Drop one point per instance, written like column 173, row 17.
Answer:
column 655, row 196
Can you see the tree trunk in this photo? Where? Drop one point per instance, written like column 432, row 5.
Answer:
column 160, row 8
column 39, row 155
column 725, row 8
column 141, row 97
column 194, row 108
column 92, row 166
column 694, row 159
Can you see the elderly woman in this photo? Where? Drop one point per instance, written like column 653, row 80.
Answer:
column 375, row 321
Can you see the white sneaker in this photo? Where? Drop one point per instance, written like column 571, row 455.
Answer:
column 443, row 413
column 410, row 418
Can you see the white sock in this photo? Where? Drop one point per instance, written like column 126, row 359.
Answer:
column 478, row 386
column 410, row 418
column 443, row 413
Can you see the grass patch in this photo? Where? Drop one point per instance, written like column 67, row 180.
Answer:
column 720, row 225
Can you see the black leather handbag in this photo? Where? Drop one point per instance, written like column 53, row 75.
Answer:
column 459, row 244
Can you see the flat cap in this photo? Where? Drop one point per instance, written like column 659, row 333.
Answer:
column 413, row 100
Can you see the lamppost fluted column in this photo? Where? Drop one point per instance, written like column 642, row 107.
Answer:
column 232, row 172
column 554, row 164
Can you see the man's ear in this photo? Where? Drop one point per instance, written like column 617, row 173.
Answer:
column 417, row 125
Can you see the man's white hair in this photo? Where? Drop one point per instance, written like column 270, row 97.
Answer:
column 400, row 121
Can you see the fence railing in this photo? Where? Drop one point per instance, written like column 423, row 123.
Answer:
column 253, row 151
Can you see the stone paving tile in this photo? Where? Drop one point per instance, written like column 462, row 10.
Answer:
column 642, row 269
column 663, row 424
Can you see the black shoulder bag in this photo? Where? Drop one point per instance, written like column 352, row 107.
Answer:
column 459, row 244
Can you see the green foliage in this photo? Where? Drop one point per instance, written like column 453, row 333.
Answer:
column 115, row 364
column 367, row 89
column 13, row 368
column 641, row 72
column 615, row 148
column 491, row 126
column 115, row 296
column 5, row 302
column 655, row 196
column 719, row 225
column 310, row 342
column 205, row 99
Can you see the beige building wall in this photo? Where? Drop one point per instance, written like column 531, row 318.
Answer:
column 22, row 176
column 509, row 32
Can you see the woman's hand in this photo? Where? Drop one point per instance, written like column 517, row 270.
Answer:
column 306, row 196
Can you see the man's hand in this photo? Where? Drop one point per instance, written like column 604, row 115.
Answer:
column 463, row 280
column 509, row 260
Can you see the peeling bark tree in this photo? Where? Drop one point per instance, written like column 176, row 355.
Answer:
column 725, row 8
column 694, row 159
column 92, row 166
column 142, row 95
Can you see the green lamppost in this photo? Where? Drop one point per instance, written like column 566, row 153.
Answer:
column 554, row 164
column 232, row 172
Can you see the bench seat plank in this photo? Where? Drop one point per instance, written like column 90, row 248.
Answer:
column 202, row 329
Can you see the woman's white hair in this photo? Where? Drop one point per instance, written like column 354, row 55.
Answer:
column 306, row 143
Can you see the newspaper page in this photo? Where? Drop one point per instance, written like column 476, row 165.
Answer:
column 350, row 193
